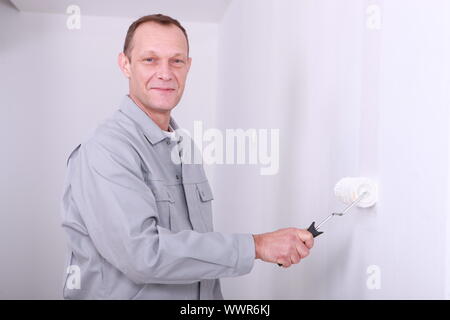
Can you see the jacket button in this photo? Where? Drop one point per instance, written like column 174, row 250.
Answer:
column 178, row 177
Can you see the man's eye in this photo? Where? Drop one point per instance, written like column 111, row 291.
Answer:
column 178, row 61
column 149, row 59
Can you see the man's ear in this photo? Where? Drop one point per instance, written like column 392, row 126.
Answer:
column 189, row 64
column 124, row 64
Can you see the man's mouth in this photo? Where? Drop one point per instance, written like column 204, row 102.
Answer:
column 162, row 89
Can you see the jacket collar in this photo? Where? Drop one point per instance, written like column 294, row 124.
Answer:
column 151, row 130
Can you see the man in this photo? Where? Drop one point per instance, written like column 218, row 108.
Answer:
column 139, row 224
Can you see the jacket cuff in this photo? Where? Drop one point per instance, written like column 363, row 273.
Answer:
column 246, row 253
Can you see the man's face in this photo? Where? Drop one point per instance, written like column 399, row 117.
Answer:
column 159, row 66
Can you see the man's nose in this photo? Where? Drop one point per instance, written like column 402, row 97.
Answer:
column 164, row 72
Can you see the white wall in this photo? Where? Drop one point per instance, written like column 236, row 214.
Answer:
column 56, row 86
column 349, row 101
column 413, row 144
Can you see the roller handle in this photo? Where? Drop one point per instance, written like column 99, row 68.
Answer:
column 314, row 232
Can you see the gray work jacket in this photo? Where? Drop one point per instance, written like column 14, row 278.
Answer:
column 139, row 226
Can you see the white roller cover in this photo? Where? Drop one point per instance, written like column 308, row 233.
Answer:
column 350, row 188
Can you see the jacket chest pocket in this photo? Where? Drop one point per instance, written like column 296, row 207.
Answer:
column 164, row 203
column 205, row 198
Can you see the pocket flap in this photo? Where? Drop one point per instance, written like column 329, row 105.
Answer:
column 205, row 191
column 162, row 193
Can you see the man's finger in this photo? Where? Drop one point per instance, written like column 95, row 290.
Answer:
column 307, row 238
column 284, row 261
column 295, row 258
column 302, row 250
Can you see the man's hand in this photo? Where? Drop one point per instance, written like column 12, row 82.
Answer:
column 285, row 246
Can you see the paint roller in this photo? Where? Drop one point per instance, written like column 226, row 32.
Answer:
column 353, row 191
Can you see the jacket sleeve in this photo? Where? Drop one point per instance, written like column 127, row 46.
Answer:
column 120, row 214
